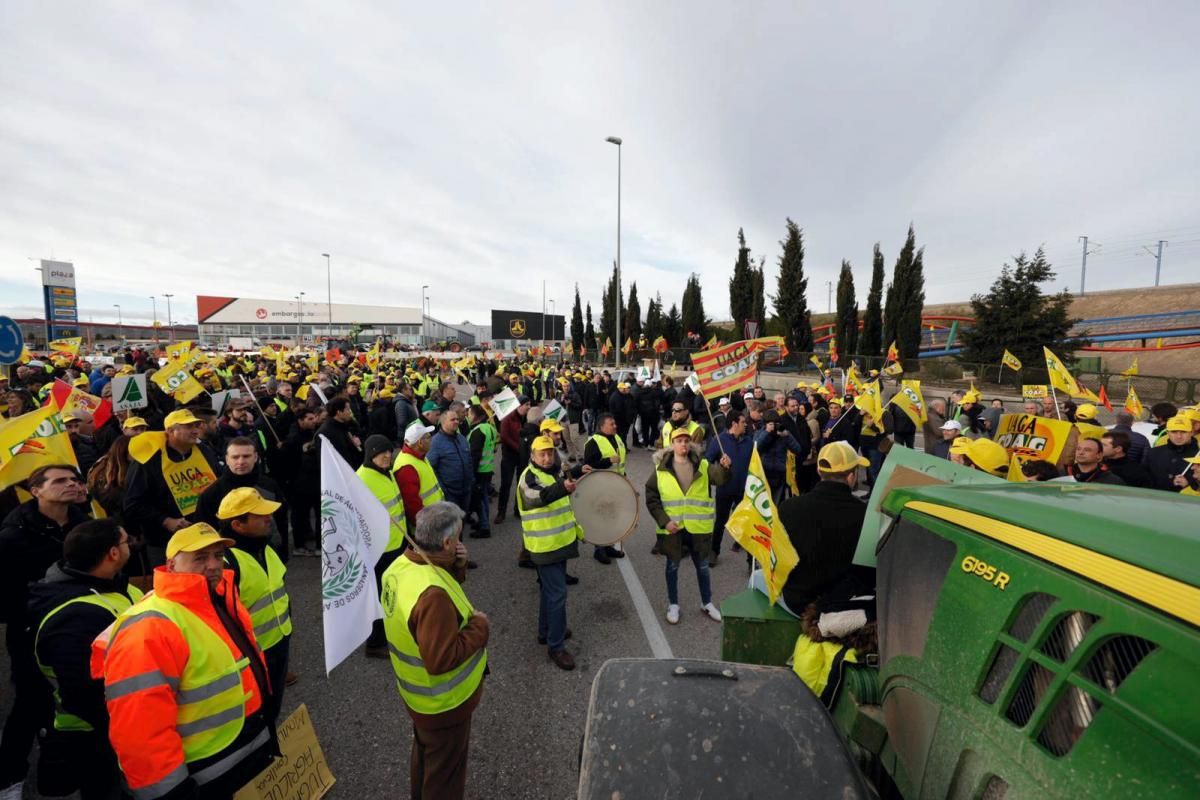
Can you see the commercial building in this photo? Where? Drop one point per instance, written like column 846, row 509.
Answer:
column 526, row 328
column 228, row 321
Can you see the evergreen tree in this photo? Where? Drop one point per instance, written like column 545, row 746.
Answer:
column 673, row 326
column 741, row 287
column 589, row 332
column 759, row 314
column 791, row 302
column 577, row 322
column 654, row 323
column 870, row 343
column 612, row 295
column 692, row 315
column 1016, row 315
column 632, row 321
column 846, row 322
column 906, row 299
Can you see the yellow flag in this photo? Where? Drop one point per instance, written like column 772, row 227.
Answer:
column 755, row 525
column 1061, row 378
column 1015, row 475
column 302, row 392
column 373, row 356
column 1132, row 371
column 33, row 440
column 66, row 347
column 1133, row 404
column 854, row 379
column 893, row 369
column 910, row 400
column 870, row 401
column 628, row 348
column 1011, row 361
column 893, row 353
column 178, row 350
column 175, row 378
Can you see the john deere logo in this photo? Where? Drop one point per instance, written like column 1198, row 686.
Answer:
column 517, row 327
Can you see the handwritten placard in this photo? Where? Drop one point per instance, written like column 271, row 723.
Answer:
column 301, row 774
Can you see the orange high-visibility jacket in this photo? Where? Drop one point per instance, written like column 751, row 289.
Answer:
column 161, row 679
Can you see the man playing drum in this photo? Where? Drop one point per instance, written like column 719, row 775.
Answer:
column 679, row 497
column 606, row 451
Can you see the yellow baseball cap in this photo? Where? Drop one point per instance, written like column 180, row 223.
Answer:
column 80, row 381
column 680, row 431
column 183, row 416
column 959, row 445
column 550, row 425
column 542, row 443
column 195, row 537
column 839, row 457
column 1086, row 411
column 989, row 456
column 1179, row 423
column 1191, row 413
column 246, row 500
column 134, row 422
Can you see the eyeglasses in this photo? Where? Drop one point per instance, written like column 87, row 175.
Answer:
column 677, row 410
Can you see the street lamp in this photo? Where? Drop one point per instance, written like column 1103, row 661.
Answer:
column 329, row 290
column 299, row 318
column 552, row 320
column 423, row 288
column 617, row 300
column 170, row 324
column 154, row 320
column 120, row 324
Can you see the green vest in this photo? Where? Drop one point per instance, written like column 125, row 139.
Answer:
column 403, row 583
column 615, row 454
column 264, row 596
column 387, row 492
column 210, row 701
column 693, row 428
column 696, row 510
column 488, row 455
column 114, row 602
column 546, row 528
column 430, row 489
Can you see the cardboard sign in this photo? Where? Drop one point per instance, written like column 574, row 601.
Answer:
column 129, row 392
column 302, row 773
column 1034, row 392
column 1042, row 438
column 554, row 411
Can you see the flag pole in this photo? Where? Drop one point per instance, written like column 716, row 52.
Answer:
column 266, row 419
column 1054, row 394
column 711, row 420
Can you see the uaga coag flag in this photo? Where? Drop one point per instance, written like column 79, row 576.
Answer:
column 729, row 367
column 755, row 525
column 354, row 533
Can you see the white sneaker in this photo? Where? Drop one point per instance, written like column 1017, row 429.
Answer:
column 673, row 614
column 712, row 612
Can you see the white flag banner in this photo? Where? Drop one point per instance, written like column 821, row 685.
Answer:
column 693, row 383
column 354, row 533
column 504, row 403
column 554, row 411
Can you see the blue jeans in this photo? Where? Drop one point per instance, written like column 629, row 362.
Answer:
column 702, row 576
column 552, row 609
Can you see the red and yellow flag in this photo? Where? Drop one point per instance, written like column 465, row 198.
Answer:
column 731, row 366
column 627, row 348
column 1133, row 403
column 33, row 440
column 660, row 345
column 893, row 353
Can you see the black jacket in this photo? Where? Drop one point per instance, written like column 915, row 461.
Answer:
column 29, row 543
column 1101, row 474
column 1166, row 461
column 148, row 501
column 210, row 500
column 382, row 420
column 406, row 414
column 623, row 407
column 1130, row 471
column 823, row 526
column 65, row 642
column 338, row 434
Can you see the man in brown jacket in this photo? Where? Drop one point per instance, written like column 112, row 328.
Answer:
column 437, row 644
column 932, row 429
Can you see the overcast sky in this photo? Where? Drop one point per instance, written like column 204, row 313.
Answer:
column 173, row 147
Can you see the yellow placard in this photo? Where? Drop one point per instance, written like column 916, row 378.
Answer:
column 1034, row 391
column 302, row 773
column 1032, row 437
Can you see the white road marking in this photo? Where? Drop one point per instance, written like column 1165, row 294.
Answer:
column 654, row 632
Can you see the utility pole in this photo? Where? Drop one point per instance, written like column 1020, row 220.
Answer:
column 617, row 301
column 1157, row 259
column 154, row 313
column 170, row 324
column 120, row 324
column 1083, row 264
column 329, row 294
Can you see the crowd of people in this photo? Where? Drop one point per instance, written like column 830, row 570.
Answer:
column 176, row 693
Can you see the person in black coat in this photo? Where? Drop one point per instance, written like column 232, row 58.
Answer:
column 339, row 428
column 242, row 468
column 649, row 404
column 1116, row 446
column 381, row 419
column 622, row 406
column 1168, row 461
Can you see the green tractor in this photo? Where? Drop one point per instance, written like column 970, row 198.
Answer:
column 1035, row 641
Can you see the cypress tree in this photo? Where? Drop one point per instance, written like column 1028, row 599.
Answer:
column 870, row 343
column 692, row 315
column 673, row 326
column 906, row 298
column 654, row 325
column 791, row 302
column 632, row 321
column 741, row 287
column 846, row 322
column 577, row 322
column 589, row 332
column 612, row 295
column 759, row 313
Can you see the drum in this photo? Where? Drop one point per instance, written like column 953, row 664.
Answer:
column 606, row 506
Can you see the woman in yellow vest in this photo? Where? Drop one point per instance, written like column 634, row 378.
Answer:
column 437, row 642
column 259, row 574
column 551, row 536
column 376, row 474
column 679, row 497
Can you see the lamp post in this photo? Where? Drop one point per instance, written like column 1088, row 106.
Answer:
column 299, row 318
column 552, row 329
column 422, row 339
column 154, row 320
column 170, row 324
column 120, row 324
column 329, row 293
column 617, row 300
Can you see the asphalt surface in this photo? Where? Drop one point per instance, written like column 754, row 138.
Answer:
column 528, row 728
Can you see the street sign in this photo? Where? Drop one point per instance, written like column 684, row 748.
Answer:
column 12, row 341
column 129, row 392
